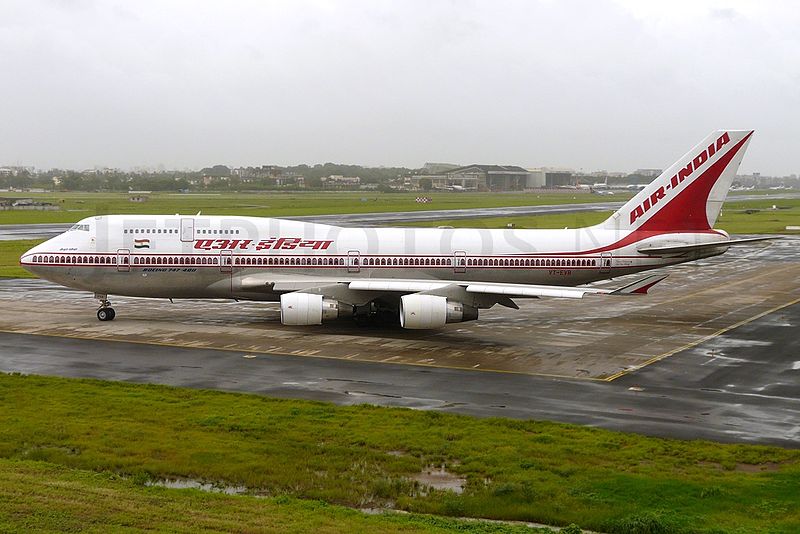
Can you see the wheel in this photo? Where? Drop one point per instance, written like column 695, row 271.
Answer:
column 106, row 314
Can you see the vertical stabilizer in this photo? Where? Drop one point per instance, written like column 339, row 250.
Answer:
column 688, row 195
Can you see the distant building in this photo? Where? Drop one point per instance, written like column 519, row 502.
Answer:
column 289, row 179
column 438, row 168
column 15, row 170
column 475, row 178
column 550, row 177
column 444, row 182
column 26, row 204
column 257, row 174
column 337, row 181
column 648, row 173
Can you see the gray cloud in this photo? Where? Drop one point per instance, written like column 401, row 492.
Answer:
column 592, row 84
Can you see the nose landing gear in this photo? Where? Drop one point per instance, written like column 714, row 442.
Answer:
column 105, row 312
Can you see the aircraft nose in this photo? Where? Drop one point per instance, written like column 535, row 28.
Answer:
column 28, row 259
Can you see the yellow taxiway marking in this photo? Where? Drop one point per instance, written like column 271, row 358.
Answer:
column 351, row 357
column 354, row 357
column 703, row 339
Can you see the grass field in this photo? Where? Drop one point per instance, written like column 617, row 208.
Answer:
column 366, row 456
column 39, row 496
column 738, row 217
column 76, row 206
column 10, row 251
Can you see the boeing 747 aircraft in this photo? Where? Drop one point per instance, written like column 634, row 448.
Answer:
column 425, row 277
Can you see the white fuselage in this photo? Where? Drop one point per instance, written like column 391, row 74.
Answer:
column 221, row 256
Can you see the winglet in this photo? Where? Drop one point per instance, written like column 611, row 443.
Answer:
column 640, row 287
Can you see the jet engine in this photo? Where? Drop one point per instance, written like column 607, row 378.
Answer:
column 421, row 312
column 308, row 309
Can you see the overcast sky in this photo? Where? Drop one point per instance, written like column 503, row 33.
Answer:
column 614, row 85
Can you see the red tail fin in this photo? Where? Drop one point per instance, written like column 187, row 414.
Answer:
column 688, row 195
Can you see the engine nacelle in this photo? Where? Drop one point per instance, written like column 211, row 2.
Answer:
column 307, row 309
column 422, row 312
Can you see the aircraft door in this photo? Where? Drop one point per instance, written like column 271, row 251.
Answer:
column 459, row 261
column 123, row 260
column 353, row 261
column 605, row 262
column 187, row 230
column 226, row 261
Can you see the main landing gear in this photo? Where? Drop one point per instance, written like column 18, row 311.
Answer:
column 105, row 312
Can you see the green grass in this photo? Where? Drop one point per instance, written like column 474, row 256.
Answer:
column 10, row 252
column 556, row 220
column 738, row 217
column 762, row 219
column 76, row 206
column 39, row 496
column 365, row 455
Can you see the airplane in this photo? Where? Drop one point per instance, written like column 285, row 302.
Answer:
column 423, row 277
column 603, row 192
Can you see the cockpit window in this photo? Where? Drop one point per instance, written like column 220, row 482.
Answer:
column 81, row 227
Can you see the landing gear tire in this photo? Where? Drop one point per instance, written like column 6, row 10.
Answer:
column 106, row 314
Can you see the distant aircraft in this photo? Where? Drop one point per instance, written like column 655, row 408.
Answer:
column 605, row 192
column 425, row 277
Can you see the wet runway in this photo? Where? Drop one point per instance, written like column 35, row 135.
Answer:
column 45, row 231
column 711, row 353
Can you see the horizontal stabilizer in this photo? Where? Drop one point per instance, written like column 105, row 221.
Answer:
column 640, row 287
column 681, row 249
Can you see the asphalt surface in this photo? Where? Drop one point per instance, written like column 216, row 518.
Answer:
column 596, row 338
column 44, row 231
column 739, row 387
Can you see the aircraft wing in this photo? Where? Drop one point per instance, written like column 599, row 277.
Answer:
column 360, row 291
column 682, row 249
column 506, row 290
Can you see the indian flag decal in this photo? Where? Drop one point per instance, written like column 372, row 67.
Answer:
column 141, row 243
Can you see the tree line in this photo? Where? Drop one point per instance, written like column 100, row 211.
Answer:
column 218, row 177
